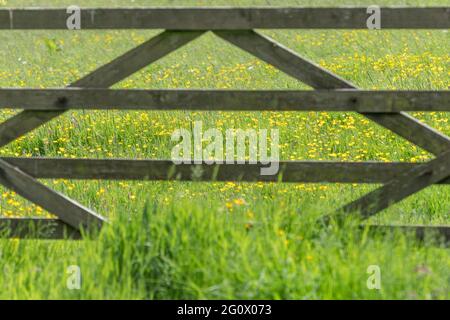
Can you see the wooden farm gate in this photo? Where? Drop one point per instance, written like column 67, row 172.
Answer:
column 236, row 26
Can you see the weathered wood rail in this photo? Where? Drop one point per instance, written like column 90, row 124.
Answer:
column 236, row 26
column 235, row 100
column 226, row 18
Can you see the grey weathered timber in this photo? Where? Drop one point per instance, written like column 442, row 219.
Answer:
column 279, row 100
column 413, row 131
column 284, row 59
column 103, row 77
column 315, row 76
column 290, row 171
column 37, row 228
column 406, row 184
column 421, row 232
column 226, row 18
column 64, row 208
column 234, row 25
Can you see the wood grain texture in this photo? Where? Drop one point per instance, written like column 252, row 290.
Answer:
column 399, row 188
column 67, row 210
column 279, row 100
column 103, row 77
column 226, row 18
column 318, row 78
column 233, row 25
column 290, row 171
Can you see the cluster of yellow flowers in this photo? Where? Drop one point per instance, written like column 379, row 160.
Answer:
column 304, row 135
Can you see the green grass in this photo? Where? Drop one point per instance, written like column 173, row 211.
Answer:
column 226, row 240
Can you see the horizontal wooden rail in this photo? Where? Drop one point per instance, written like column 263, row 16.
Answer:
column 236, row 26
column 420, row 232
column 280, row 100
column 290, row 171
column 225, row 18
column 40, row 228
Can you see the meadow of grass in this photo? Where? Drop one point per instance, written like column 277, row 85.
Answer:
column 226, row 240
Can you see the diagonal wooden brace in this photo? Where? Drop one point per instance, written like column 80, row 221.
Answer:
column 406, row 184
column 66, row 209
column 69, row 211
column 401, row 123
column 104, row 77
column 313, row 75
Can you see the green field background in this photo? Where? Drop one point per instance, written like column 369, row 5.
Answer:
column 215, row 240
